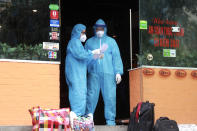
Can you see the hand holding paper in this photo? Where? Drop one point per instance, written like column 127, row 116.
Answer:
column 96, row 52
column 101, row 56
column 102, row 50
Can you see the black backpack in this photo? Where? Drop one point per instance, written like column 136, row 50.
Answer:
column 142, row 117
column 165, row 124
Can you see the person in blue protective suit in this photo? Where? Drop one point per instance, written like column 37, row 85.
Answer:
column 76, row 62
column 104, row 74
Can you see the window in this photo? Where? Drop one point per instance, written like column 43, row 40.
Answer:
column 168, row 33
column 24, row 26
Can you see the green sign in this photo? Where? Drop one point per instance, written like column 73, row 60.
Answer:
column 54, row 7
column 143, row 24
column 169, row 53
column 166, row 52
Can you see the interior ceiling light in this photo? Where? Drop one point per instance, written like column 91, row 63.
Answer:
column 35, row 11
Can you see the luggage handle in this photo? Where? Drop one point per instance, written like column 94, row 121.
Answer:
column 138, row 111
column 163, row 118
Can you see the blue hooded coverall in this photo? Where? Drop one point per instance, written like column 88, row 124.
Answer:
column 76, row 62
column 102, row 73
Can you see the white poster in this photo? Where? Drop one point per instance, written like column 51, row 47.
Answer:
column 50, row 46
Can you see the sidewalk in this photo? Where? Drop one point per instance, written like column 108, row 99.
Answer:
column 97, row 128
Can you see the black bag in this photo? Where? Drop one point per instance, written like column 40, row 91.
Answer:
column 142, row 117
column 165, row 124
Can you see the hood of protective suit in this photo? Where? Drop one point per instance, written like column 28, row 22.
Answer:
column 100, row 23
column 77, row 29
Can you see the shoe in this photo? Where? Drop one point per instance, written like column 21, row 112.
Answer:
column 90, row 116
column 72, row 117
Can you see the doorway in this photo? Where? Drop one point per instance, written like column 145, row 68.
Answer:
column 117, row 17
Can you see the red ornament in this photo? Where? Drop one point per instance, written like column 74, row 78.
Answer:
column 148, row 72
column 164, row 72
column 181, row 73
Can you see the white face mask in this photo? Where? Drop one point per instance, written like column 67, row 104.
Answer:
column 100, row 34
column 83, row 38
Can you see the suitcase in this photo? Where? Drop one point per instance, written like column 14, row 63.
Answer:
column 165, row 124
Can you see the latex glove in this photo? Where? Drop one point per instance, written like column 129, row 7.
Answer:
column 96, row 52
column 72, row 117
column 118, row 78
column 101, row 56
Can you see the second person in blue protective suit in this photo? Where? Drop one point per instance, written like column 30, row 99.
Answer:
column 76, row 62
column 104, row 73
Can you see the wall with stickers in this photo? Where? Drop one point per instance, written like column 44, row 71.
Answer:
column 167, row 61
column 26, row 27
column 29, row 58
column 168, row 33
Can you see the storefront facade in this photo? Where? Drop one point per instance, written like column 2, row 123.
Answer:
column 166, row 73
column 157, row 41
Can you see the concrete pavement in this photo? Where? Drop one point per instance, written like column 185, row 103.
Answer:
column 97, row 128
